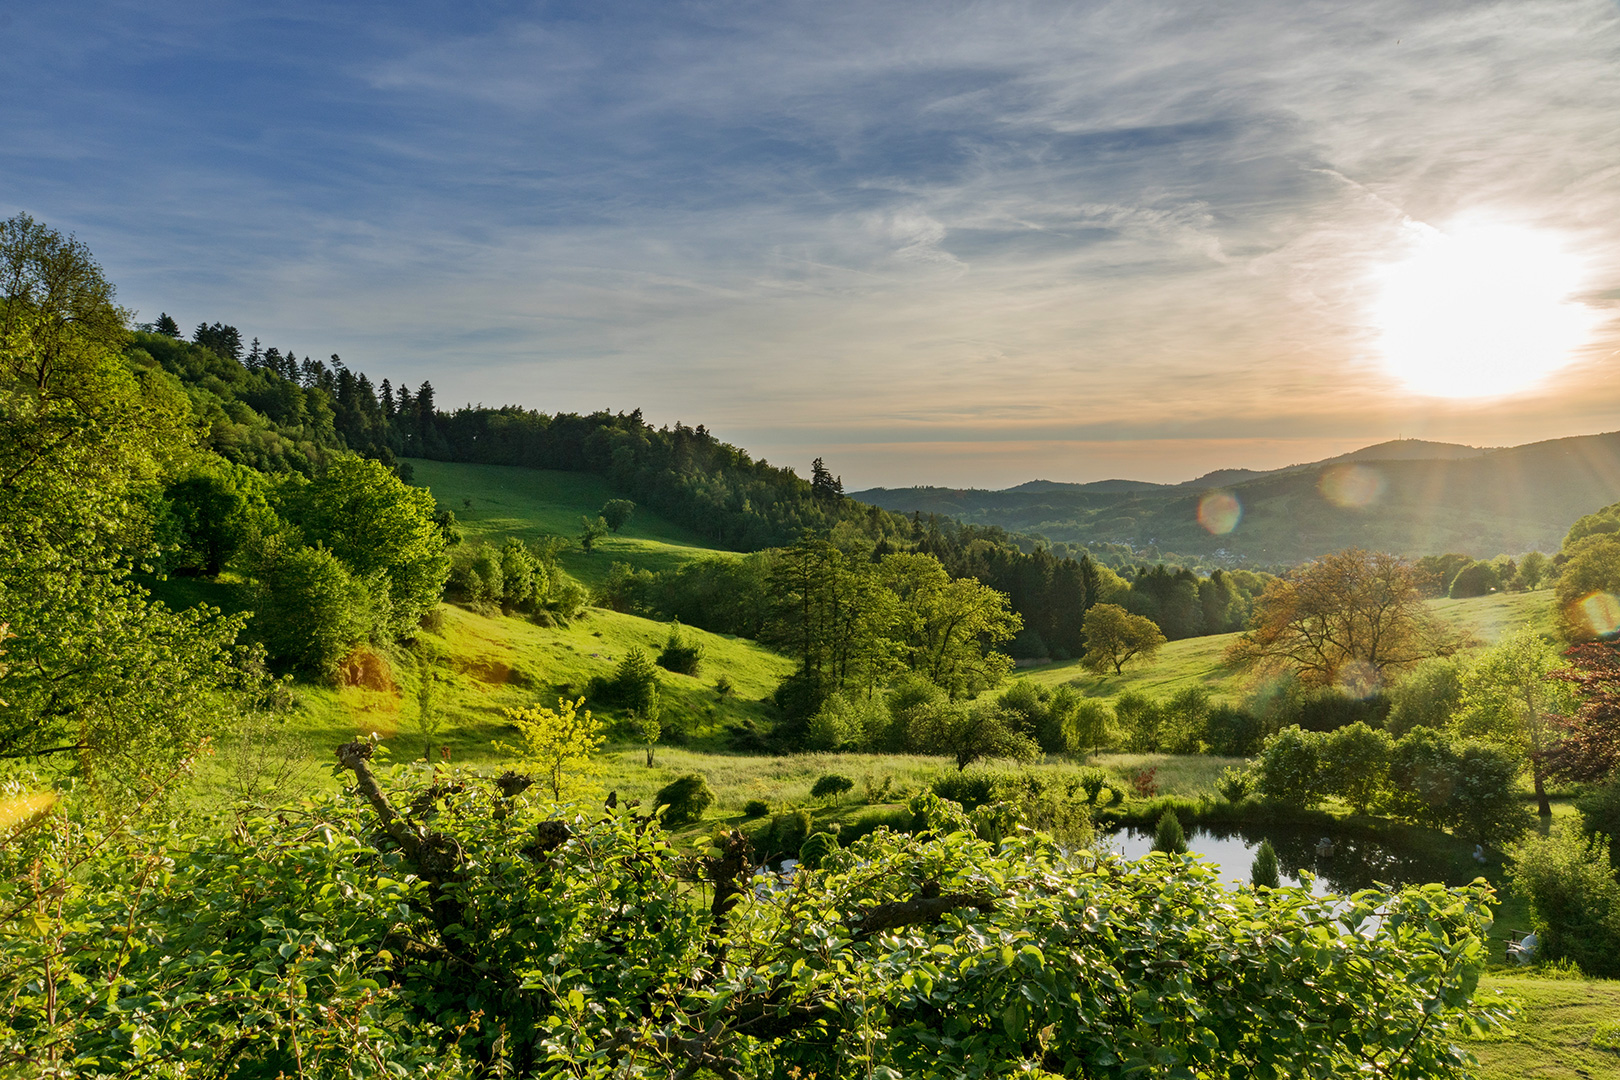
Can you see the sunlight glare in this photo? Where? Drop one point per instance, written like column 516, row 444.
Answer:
column 1481, row 311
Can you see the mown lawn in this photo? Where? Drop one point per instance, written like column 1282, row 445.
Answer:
column 1565, row 1029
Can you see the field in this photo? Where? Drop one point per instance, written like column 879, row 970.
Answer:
column 1199, row 661
column 492, row 502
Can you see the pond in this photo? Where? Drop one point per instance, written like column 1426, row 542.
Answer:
column 1343, row 862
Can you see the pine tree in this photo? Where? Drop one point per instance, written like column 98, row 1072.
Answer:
column 1264, row 871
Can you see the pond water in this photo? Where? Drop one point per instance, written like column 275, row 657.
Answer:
column 1344, row 864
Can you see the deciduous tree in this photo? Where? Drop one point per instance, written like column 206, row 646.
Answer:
column 1115, row 637
column 1350, row 619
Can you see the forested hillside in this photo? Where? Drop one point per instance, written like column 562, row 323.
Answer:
column 1388, row 498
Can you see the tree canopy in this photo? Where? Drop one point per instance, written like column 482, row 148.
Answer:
column 1353, row 618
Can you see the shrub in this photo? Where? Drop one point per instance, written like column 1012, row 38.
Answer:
column 686, row 798
column 1046, row 715
column 1600, row 816
column 1139, row 718
column 847, row 723
column 877, row 792
column 1234, row 785
column 1089, row 728
column 724, row 686
column 1426, row 696
column 1232, row 732
column 816, row 847
column 832, row 786
column 1265, row 871
column 1145, row 782
column 633, row 686
column 756, row 808
column 1290, row 769
column 1355, row 764
column 1574, row 899
column 679, row 655
column 1329, row 710
column 1169, row 835
column 1185, row 721
column 310, row 611
column 1468, row 788
column 788, row 832
column 966, row 789
column 1092, row 782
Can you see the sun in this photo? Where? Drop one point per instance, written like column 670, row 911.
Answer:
column 1481, row 311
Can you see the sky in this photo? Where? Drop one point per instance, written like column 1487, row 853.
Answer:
column 966, row 244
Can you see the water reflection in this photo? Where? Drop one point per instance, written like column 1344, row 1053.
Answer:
column 1347, row 863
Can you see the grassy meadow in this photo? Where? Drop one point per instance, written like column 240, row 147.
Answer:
column 492, row 502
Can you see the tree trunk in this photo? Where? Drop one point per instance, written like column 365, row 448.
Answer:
column 1543, row 807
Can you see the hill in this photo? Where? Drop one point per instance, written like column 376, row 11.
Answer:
column 1409, row 497
column 492, row 502
column 1199, row 661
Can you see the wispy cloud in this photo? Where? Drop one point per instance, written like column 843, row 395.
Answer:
column 1030, row 227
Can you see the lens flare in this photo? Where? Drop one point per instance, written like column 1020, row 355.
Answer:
column 1359, row 679
column 14, row 812
column 1219, row 512
column 1351, row 486
column 1600, row 612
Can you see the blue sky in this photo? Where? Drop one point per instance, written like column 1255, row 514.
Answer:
column 933, row 242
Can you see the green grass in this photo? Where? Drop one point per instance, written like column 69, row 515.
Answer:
column 1200, row 661
column 1565, row 1029
column 507, row 500
column 1490, row 617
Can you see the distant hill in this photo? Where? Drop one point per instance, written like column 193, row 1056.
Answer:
column 1407, row 496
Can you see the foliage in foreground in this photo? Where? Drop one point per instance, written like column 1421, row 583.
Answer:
column 449, row 925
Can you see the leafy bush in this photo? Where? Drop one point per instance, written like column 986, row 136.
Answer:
column 1354, row 765
column 1185, row 721
column 680, row 656
column 965, row 789
column 1138, row 718
column 877, row 791
column 1574, row 899
column 1290, row 769
column 756, row 808
column 309, row 611
column 1426, row 696
column 1600, row 816
column 1092, row 782
column 686, row 799
column 848, row 722
column 1231, row 731
column 1145, row 782
column 832, row 786
column 1047, row 715
column 788, row 832
column 1468, row 788
column 362, row 929
column 816, row 847
column 1234, row 785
